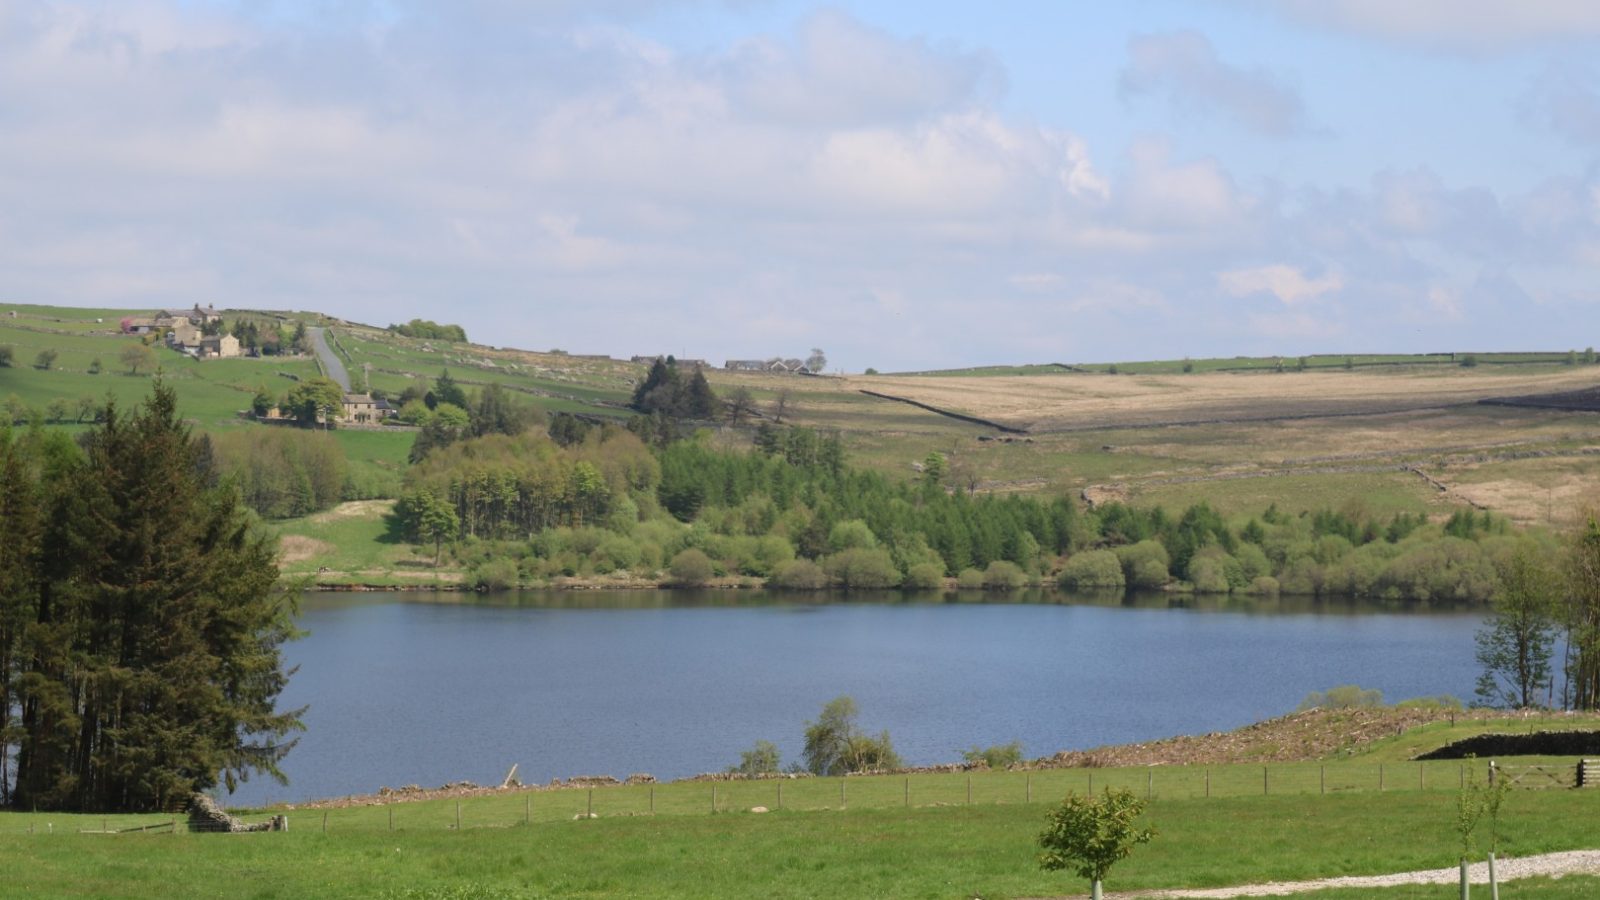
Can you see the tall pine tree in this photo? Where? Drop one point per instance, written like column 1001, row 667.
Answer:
column 152, row 656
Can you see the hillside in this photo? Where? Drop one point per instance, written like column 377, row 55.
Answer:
column 1385, row 434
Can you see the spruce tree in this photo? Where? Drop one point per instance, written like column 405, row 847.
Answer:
column 699, row 401
column 20, row 526
column 153, row 660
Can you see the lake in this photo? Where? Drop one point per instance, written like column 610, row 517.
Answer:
column 421, row 688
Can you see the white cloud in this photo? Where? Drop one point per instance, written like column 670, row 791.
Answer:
column 1185, row 68
column 1473, row 25
column 1289, row 284
column 580, row 184
column 1165, row 195
column 838, row 71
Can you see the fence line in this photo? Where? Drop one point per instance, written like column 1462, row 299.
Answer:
column 741, row 796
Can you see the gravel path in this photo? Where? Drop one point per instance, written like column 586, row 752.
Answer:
column 1571, row 862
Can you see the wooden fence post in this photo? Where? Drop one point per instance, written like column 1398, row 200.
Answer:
column 324, row 821
column 1028, row 789
column 780, row 795
column 391, row 817
column 969, row 789
column 589, row 811
column 1091, row 782
column 458, row 815
column 1380, row 778
column 842, row 800
column 1264, row 790
column 653, row 797
column 908, row 792
column 713, row 796
column 1322, row 780
column 527, row 809
column 1208, row 784
column 1150, row 784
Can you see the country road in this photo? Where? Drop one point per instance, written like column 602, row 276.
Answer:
column 330, row 360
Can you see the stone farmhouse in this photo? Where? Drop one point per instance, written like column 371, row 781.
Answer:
column 363, row 409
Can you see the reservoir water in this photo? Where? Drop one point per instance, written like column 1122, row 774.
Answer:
column 417, row 688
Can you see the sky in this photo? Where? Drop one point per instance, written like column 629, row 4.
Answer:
column 904, row 185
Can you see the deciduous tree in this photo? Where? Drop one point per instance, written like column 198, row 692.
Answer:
column 1582, row 616
column 1089, row 836
column 1516, row 645
column 138, row 358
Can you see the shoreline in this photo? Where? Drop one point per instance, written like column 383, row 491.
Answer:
column 1305, row 736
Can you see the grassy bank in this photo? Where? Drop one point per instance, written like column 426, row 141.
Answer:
column 952, row 851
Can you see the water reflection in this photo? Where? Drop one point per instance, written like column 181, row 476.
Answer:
column 1261, row 604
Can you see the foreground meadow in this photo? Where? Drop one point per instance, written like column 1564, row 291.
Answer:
column 947, row 851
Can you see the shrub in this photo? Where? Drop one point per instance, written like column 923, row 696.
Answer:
column 94, row 366
column 620, row 551
column 1345, row 696
column 585, row 541
column 762, row 759
column 7, row 354
column 799, row 575
column 1144, row 565
column 1265, row 585
column 866, row 753
column 1004, row 575
column 969, row 579
column 834, row 746
column 1303, row 577
column 924, row 577
column 862, row 568
column 1092, row 569
column 1450, row 569
column 1000, row 756
column 1206, row 575
column 1213, row 571
column 1253, row 562
column 691, row 568
column 768, row 553
column 495, row 575
column 851, row 534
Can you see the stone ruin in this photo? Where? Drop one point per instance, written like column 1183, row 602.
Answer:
column 206, row 816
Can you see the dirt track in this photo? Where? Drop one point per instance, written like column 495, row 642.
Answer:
column 1570, row 862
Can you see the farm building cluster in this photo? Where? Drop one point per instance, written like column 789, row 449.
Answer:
column 185, row 331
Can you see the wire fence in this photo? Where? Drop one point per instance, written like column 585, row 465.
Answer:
column 534, row 805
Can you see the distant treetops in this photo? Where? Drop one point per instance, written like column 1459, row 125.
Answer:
column 433, row 331
column 668, row 392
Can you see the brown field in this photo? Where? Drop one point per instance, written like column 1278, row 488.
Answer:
column 1044, row 403
column 1353, row 440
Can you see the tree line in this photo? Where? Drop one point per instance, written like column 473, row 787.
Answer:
column 140, row 620
column 429, row 330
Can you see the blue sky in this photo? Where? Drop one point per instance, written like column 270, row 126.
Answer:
column 903, row 185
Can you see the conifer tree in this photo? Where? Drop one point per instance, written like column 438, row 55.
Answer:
column 152, row 656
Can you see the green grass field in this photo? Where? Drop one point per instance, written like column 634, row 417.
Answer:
column 954, row 850
column 922, row 835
